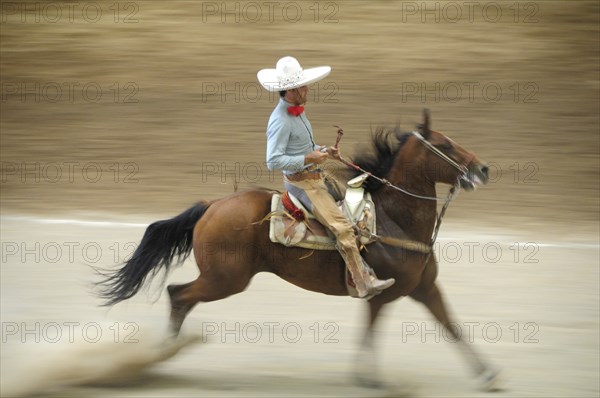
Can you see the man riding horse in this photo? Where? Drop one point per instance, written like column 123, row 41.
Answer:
column 406, row 168
column 292, row 149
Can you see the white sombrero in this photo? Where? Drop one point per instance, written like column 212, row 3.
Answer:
column 288, row 74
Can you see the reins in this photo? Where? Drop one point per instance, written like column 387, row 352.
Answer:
column 385, row 182
column 404, row 243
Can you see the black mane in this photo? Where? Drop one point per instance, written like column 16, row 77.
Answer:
column 385, row 142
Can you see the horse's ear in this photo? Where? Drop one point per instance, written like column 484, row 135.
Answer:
column 424, row 127
column 426, row 118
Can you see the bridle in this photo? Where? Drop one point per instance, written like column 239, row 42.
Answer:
column 462, row 168
column 455, row 189
column 452, row 193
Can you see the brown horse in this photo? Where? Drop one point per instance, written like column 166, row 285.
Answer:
column 231, row 245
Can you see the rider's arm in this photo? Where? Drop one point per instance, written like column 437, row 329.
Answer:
column 278, row 136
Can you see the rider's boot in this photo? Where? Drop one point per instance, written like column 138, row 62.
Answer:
column 366, row 282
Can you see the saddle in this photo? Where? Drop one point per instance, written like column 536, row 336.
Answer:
column 291, row 224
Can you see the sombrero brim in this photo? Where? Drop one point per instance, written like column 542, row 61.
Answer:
column 268, row 78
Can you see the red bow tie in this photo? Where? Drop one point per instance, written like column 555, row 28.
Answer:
column 295, row 110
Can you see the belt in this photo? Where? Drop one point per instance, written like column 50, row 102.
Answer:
column 314, row 175
column 311, row 173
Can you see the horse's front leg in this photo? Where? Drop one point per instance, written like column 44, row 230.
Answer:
column 431, row 297
column 366, row 370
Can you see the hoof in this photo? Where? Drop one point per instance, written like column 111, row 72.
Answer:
column 491, row 380
column 172, row 345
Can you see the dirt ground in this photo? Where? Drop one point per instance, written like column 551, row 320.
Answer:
column 128, row 112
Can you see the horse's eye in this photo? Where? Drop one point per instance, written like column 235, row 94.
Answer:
column 446, row 146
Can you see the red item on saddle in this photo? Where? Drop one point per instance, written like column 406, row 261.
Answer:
column 291, row 207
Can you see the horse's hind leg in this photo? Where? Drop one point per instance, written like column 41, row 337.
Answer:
column 185, row 297
column 226, row 250
column 432, row 298
column 181, row 304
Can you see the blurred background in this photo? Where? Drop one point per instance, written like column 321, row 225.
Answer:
column 130, row 111
column 145, row 107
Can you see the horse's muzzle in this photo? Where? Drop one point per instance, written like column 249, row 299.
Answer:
column 476, row 175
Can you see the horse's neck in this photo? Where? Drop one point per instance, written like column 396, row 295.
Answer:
column 412, row 216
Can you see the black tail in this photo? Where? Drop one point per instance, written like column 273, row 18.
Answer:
column 162, row 242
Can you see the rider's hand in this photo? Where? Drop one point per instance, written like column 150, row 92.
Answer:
column 334, row 152
column 316, row 157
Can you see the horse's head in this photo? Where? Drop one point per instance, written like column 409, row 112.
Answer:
column 447, row 161
column 418, row 159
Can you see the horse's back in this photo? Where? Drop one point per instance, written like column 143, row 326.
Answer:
column 239, row 209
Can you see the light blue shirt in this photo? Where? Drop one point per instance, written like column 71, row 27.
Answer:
column 289, row 138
